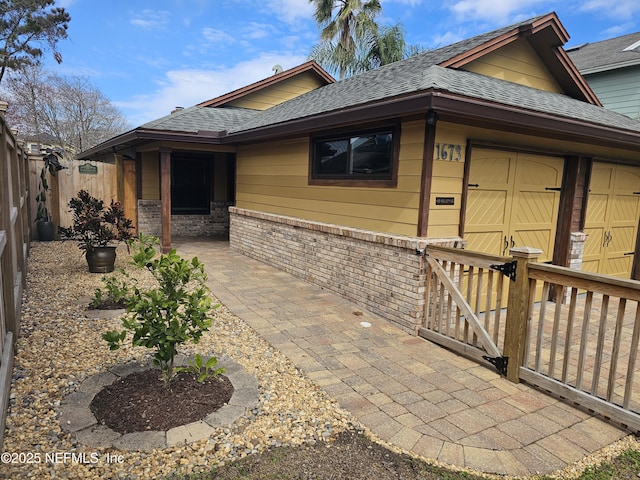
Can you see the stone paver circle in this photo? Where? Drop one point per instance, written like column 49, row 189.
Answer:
column 76, row 416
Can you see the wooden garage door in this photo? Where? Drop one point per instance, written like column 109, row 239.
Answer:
column 512, row 200
column 613, row 213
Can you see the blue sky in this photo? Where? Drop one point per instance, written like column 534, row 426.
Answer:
column 148, row 57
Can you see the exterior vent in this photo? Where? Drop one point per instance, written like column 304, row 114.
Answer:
column 632, row 47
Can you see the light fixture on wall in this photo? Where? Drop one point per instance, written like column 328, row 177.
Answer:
column 432, row 117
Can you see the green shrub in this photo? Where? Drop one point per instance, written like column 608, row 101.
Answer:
column 162, row 318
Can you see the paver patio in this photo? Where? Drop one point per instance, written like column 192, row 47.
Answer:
column 407, row 391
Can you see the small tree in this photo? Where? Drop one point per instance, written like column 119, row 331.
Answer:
column 163, row 318
column 25, row 26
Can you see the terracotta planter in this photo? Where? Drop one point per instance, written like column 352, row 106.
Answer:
column 101, row 259
column 46, row 231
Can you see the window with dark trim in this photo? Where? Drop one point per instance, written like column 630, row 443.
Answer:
column 190, row 186
column 364, row 157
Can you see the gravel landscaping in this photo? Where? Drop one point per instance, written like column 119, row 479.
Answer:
column 60, row 346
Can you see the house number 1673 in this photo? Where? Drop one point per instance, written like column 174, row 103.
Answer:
column 448, row 152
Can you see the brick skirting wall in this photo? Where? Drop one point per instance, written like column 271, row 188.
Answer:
column 216, row 224
column 379, row 272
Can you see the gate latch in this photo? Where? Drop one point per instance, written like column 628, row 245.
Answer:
column 499, row 362
column 508, row 269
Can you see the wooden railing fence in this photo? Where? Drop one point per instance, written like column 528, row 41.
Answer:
column 14, row 246
column 582, row 345
column 585, row 346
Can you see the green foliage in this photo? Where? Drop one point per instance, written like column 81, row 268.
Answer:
column 351, row 41
column 51, row 165
column 112, row 294
column 203, row 372
column 95, row 225
column 162, row 318
column 27, row 25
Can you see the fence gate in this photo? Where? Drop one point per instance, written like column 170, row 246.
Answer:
column 582, row 346
column 465, row 303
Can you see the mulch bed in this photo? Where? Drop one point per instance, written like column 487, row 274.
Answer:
column 107, row 305
column 139, row 401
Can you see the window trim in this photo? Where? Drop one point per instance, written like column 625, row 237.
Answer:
column 348, row 181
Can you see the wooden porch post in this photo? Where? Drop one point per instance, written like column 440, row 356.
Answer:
column 165, row 196
column 431, row 120
column 515, row 334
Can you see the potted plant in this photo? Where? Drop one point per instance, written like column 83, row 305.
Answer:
column 44, row 221
column 95, row 226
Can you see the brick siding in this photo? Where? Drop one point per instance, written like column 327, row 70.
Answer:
column 216, row 224
column 378, row 272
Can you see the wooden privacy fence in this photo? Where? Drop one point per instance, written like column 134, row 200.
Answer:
column 582, row 346
column 98, row 178
column 14, row 245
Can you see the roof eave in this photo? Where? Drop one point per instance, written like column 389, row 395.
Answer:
column 310, row 66
column 451, row 107
column 534, row 122
column 144, row 135
column 613, row 66
column 551, row 20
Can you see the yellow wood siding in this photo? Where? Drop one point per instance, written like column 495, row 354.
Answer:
column 274, row 178
column 150, row 176
column 281, row 92
column 448, row 173
column 516, row 62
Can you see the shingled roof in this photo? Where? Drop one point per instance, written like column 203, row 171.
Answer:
column 195, row 119
column 436, row 72
column 606, row 55
column 415, row 75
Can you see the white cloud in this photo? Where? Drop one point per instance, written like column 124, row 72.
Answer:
column 490, row 10
column 621, row 9
column 188, row 87
column 255, row 30
column 291, row 11
column 217, row 37
column 151, row 19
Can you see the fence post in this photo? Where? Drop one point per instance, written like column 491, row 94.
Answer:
column 518, row 310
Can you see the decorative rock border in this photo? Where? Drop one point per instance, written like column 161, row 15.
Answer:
column 76, row 416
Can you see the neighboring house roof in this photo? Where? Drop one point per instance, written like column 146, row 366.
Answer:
column 434, row 79
column 615, row 53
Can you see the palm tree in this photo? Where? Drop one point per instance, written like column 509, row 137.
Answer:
column 343, row 32
column 351, row 42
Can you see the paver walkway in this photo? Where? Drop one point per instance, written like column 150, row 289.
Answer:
column 406, row 390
